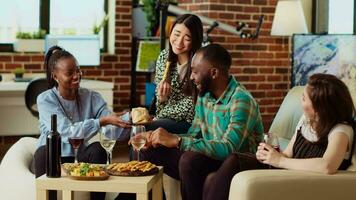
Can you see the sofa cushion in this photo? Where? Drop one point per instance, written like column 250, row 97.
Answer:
column 288, row 115
column 351, row 84
column 14, row 171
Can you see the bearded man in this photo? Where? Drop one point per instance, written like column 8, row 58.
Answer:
column 227, row 119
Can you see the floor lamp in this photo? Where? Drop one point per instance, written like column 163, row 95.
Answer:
column 288, row 20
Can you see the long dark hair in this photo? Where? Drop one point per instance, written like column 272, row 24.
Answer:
column 195, row 26
column 331, row 101
column 54, row 54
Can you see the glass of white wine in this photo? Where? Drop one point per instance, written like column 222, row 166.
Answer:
column 138, row 138
column 108, row 140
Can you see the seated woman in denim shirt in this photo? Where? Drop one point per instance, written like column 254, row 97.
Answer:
column 78, row 110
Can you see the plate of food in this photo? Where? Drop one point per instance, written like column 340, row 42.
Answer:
column 132, row 168
column 85, row 171
column 140, row 116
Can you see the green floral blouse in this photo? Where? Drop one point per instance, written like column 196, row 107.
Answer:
column 178, row 107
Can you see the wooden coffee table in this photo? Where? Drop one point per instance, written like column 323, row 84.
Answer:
column 139, row 185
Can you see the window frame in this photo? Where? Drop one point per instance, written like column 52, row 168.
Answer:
column 45, row 25
column 315, row 17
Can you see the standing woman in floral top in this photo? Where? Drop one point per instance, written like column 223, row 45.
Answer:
column 175, row 93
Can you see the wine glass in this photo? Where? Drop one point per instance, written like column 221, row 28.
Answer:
column 76, row 138
column 272, row 140
column 138, row 138
column 108, row 140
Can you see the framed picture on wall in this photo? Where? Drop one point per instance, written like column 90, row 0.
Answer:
column 331, row 54
column 147, row 55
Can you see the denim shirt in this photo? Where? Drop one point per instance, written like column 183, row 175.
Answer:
column 86, row 119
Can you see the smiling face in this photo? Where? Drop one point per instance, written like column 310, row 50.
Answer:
column 201, row 74
column 180, row 39
column 67, row 74
column 307, row 104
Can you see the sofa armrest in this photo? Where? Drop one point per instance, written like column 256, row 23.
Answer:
column 16, row 179
column 292, row 185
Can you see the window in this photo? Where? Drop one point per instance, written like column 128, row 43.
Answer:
column 18, row 15
column 341, row 16
column 334, row 16
column 67, row 17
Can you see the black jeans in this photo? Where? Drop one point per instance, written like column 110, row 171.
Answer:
column 170, row 125
column 217, row 185
column 194, row 168
column 163, row 156
column 94, row 153
column 191, row 168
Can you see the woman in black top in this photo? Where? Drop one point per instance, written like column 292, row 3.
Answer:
column 323, row 141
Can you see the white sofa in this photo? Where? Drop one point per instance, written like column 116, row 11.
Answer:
column 17, row 181
column 291, row 184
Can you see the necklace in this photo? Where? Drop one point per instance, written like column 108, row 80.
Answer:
column 66, row 113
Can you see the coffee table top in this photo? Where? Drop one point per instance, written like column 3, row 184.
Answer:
column 113, row 184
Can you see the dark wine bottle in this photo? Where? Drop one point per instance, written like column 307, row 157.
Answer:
column 53, row 150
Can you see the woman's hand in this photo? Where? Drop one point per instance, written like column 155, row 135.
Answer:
column 267, row 155
column 114, row 119
column 163, row 91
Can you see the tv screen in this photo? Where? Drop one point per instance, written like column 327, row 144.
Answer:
column 85, row 48
column 331, row 54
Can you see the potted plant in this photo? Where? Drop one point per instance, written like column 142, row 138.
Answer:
column 30, row 42
column 152, row 16
column 97, row 28
column 19, row 71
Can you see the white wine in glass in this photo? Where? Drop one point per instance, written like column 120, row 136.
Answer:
column 138, row 138
column 108, row 140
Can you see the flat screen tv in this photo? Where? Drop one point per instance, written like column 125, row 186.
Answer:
column 331, row 54
column 85, row 48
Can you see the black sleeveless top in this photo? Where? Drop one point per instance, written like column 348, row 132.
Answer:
column 303, row 148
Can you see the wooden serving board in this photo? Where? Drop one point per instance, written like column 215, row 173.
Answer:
column 133, row 173
column 90, row 178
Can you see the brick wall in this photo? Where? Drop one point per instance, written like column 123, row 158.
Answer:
column 262, row 65
column 114, row 67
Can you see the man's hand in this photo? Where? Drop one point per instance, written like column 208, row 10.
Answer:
column 147, row 136
column 162, row 137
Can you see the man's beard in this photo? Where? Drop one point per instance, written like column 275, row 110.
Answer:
column 204, row 85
